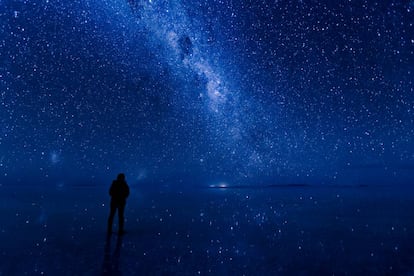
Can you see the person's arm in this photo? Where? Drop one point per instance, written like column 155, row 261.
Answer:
column 126, row 190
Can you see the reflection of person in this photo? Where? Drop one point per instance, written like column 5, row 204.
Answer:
column 119, row 192
column 110, row 264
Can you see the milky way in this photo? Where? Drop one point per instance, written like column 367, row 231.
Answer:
column 207, row 92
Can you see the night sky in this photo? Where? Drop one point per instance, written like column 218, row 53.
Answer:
column 207, row 91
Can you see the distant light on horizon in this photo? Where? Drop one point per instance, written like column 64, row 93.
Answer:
column 221, row 185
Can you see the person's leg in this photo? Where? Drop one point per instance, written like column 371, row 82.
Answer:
column 111, row 217
column 121, row 219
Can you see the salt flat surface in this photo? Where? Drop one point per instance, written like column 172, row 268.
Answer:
column 284, row 231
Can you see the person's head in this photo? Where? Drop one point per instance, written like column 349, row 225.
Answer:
column 121, row 177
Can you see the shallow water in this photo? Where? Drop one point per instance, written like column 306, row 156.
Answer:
column 285, row 231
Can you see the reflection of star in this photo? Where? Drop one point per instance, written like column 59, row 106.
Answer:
column 142, row 174
column 54, row 157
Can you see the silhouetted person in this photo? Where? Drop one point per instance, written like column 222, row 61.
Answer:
column 119, row 192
